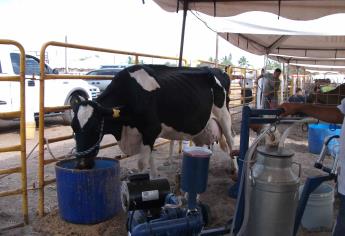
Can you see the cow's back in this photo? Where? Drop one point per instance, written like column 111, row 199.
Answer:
column 184, row 100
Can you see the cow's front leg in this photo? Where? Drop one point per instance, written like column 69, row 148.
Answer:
column 144, row 156
column 150, row 134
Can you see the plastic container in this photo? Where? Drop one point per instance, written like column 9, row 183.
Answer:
column 318, row 132
column 194, row 173
column 88, row 196
column 318, row 214
column 195, row 169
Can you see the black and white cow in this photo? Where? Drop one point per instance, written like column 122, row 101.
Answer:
column 144, row 102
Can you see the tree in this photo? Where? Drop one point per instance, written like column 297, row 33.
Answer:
column 227, row 60
column 210, row 59
column 130, row 60
column 272, row 65
column 243, row 62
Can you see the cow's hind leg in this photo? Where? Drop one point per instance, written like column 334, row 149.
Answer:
column 224, row 120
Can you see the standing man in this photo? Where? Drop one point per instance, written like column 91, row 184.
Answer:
column 331, row 115
column 271, row 87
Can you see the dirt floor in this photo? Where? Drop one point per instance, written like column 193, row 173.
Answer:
column 222, row 207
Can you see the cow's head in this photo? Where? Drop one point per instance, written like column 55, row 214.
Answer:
column 88, row 128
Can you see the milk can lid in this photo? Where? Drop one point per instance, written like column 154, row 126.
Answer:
column 275, row 151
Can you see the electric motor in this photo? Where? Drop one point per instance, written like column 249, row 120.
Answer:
column 142, row 193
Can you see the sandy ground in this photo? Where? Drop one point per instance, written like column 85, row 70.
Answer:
column 222, row 207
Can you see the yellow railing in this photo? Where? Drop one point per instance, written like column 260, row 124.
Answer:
column 42, row 109
column 22, row 146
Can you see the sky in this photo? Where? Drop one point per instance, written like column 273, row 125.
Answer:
column 126, row 25
column 130, row 25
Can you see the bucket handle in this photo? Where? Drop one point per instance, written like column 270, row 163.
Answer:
column 299, row 168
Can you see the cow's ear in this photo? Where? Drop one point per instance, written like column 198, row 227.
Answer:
column 108, row 111
column 74, row 106
column 74, row 102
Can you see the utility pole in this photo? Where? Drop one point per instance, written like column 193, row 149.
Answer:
column 66, row 64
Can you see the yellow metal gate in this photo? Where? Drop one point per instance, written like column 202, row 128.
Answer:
column 21, row 147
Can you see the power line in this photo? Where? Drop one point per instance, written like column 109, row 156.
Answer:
column 204, row 22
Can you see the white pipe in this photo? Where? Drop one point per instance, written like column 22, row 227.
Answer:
column 287, row 131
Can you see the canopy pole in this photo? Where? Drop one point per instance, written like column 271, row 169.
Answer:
column 287, row 78
column 217, row 45
column 185, row 9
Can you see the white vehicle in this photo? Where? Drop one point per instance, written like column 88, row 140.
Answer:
column 57, row 92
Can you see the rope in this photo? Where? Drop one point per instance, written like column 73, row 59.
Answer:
column 96, row 145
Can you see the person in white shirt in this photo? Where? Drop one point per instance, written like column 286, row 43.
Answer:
column 271, row 88
column 331, row 115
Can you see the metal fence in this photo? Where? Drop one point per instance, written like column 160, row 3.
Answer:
column 21, row 147
column 238, row 97
column 238, row 87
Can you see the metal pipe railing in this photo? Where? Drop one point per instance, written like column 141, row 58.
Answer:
column 22, row 146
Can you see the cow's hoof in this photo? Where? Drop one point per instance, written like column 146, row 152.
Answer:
column 153, row 174
column 234, row 177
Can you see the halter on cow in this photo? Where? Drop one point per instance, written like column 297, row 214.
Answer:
column 144, row 102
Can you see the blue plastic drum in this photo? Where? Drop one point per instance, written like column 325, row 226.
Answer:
column 318, row 132
column 88, row 196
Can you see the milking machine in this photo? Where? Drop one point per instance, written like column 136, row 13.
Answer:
column 154, row 210
column 267, row 190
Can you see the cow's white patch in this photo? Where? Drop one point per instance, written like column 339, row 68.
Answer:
column 145, row 155
column 170, row 133
column 217, row 81
column 224, row 120
column 146, row 81
column 210, row 134
column 131, row 140
column 84, row 114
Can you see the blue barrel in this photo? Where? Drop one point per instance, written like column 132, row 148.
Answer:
column 318, row 132
column 88, row 196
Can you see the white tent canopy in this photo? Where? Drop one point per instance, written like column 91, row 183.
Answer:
column 292, row 9
column 299, row 49
column 318, row 41
column 315, row 42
